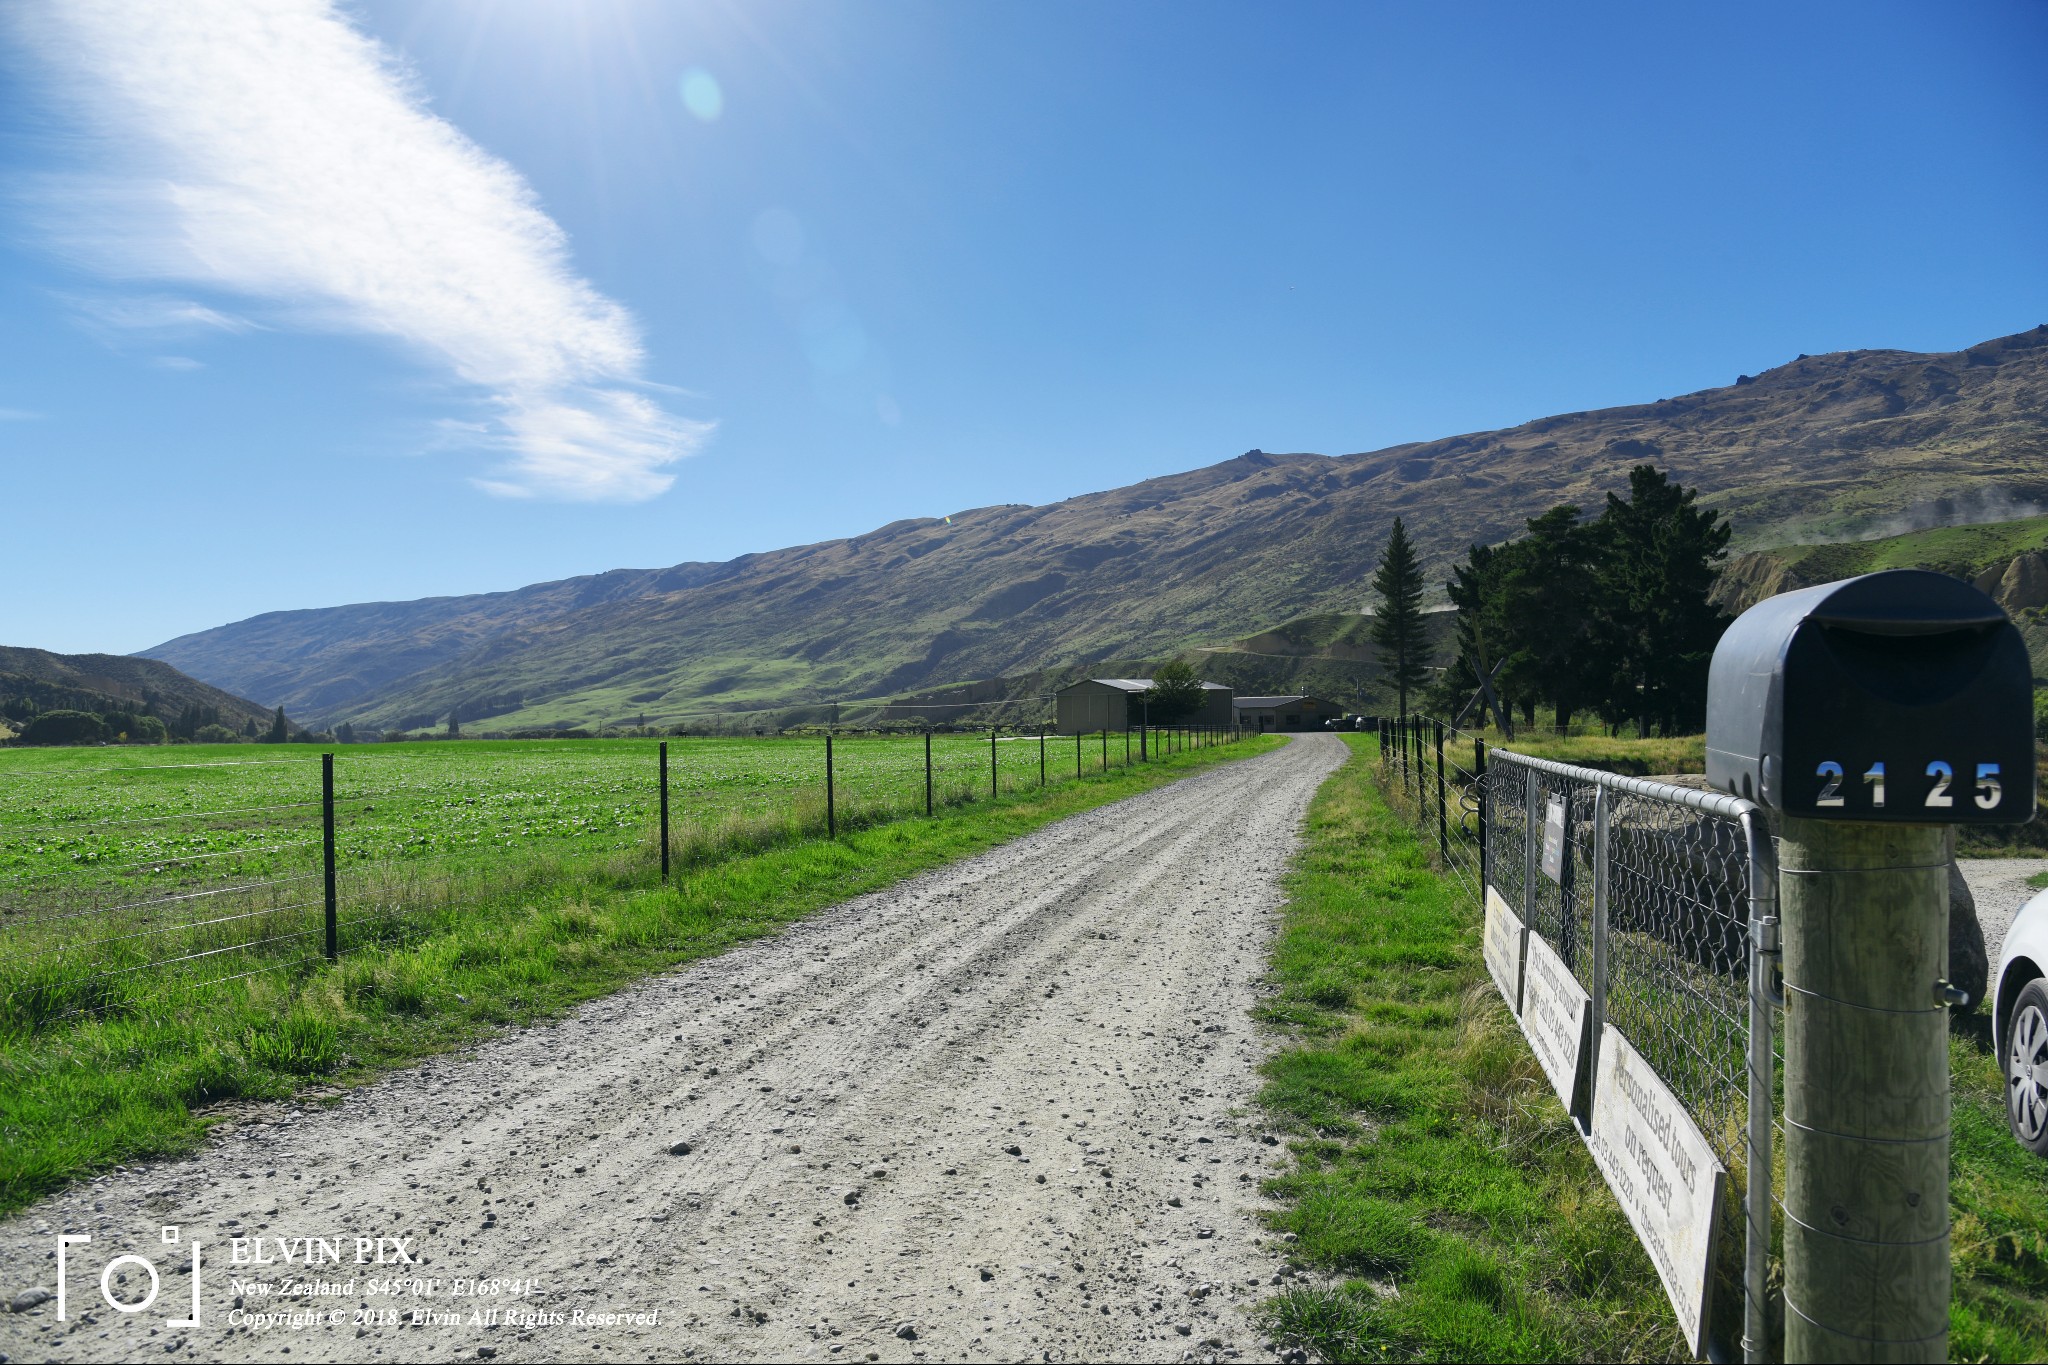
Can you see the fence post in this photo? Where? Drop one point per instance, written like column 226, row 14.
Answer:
column 1077, row 754
column 831, row 814
column 992, row 793
column 1443, row 828
column 327, row 833
column 1756, row 1155
column 1866, row 1090
column 1485, row 798
column 1041, row 755
column 664, row 812
column 1597, row 988
column 1105, row 748
column 927, row 772
column 1532, row 840
column 1568, row 886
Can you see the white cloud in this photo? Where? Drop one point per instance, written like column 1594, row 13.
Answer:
column 160, row 315
column 270, row 149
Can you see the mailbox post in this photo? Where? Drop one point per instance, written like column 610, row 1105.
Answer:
column 1870, row 715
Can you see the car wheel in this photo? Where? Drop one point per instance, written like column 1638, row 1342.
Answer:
column 2026, row 1068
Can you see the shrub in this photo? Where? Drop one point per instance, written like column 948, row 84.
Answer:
column 214, row 734
column 65, row 727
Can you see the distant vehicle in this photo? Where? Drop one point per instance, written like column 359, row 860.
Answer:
column 2019, row 1023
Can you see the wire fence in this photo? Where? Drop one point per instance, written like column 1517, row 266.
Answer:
column 122, row 874
column 1657, row 901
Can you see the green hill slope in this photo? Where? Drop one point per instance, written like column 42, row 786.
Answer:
column 1827, row 446
column 38, row 679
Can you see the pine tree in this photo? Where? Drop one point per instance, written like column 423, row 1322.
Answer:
column 279, row 730
column 1655, row 630
column 454, row 725
column 1398, row 628
column 1548, row 593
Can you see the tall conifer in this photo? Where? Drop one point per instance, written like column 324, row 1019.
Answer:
column 1397, row 628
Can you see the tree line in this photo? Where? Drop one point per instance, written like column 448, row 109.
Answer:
column 1606, row 616
column 197, row 723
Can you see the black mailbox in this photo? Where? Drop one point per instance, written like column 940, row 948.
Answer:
column 1904, row 695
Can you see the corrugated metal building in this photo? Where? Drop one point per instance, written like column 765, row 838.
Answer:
column 1096, row 704
column 1262, row 714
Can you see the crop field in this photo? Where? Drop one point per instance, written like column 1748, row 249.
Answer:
column 124, row 869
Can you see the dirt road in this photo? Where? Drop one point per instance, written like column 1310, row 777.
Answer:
column 999, row 1112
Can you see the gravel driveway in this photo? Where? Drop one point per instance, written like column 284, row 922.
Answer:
column 999, row 1112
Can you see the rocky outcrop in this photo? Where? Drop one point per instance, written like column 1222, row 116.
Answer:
column 1748, row 579
column 2019, row 583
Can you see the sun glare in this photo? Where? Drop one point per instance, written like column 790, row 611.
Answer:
column 701, row 95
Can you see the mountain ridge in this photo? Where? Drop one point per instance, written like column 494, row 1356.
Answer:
column 1821, row 446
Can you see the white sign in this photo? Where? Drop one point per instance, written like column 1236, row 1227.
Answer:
column 1659, row 1166
column 1555, row 1013
column 1553, row 840
column 1502, row 945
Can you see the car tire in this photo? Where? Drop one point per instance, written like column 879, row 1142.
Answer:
column 2026, row 1068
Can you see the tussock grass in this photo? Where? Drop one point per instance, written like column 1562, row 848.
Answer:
column 435, row 962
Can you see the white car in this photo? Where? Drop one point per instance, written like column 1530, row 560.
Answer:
column 2019, row 1024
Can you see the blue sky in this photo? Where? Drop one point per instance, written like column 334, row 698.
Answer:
column 308, row 305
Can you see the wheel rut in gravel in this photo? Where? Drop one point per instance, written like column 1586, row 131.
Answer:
column 1000, row 1111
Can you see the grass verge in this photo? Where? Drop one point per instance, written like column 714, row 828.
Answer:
column 1435, row 1173
column 1439, row 1179
column 135, row 1083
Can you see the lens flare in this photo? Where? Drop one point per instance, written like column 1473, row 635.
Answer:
column 701, row 95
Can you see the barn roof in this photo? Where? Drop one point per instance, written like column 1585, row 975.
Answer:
column 1140, row 684
column 1243, row 702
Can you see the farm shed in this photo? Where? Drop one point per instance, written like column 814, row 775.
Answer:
column 1095, row 704
column 1260, row 714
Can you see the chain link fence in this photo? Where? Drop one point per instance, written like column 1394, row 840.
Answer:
column 1658, row 897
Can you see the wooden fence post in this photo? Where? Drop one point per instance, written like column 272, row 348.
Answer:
column 327, row 839
column 1865, row 924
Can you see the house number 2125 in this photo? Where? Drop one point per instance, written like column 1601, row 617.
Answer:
column 1988, row 794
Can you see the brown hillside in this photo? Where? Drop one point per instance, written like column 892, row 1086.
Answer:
column 1827, row 446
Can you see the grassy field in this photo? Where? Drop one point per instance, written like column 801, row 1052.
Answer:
column 1439, row 1182
column 451, row 947
column 121, row 868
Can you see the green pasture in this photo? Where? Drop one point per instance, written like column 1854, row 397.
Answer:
column 126, row 869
